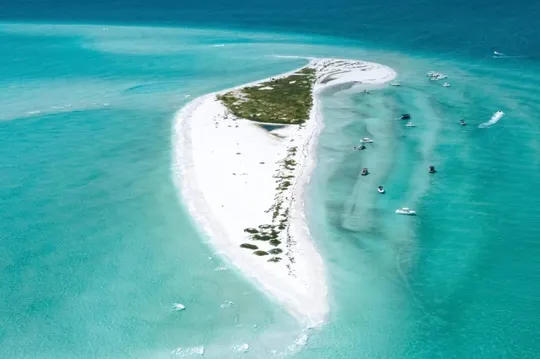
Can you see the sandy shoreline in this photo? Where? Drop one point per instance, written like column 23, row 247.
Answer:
column 225, row 168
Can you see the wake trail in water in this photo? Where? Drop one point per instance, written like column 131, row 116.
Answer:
column 500, row 55
column 494, row 119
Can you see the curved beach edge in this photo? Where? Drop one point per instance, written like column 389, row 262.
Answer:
column 224, row 168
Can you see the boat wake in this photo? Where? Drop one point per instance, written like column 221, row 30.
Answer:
column 494, row 119
column 500, row 55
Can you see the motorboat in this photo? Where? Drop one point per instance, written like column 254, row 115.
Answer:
column 365, row 171
column 446, row 84
column 366, row 140
column 439, row 77
column 380, row 189
column 395, row 83
column 360, row 148
column 436, row 76
column 462, row 122
column 410, row 124
column 406, row 211
column 177, row 307
column 432, row 169
column 405, row 116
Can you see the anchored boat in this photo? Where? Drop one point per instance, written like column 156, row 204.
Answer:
column 405, row 116
column 406, row 211
column 177, row 307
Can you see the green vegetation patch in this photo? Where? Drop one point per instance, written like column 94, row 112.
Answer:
column 248, row 246
column 275, row 242
column 261, row 237
column 290, row 164
column 285, row 101
column 260, row 253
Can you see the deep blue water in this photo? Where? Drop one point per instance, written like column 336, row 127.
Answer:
column 95, row 246
column 460, row 26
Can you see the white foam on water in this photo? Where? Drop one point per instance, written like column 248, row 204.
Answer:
column 240, row 348
column 226, row 304
column 186, row 352
column 299, row 343
column 494, row 119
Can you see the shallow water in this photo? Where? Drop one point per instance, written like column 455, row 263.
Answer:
column 96, row 247
column 445, row 283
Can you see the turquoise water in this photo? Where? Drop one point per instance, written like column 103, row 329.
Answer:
column 457, row 281
column 96, row 246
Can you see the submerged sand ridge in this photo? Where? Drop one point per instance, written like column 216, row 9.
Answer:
column 244, row 184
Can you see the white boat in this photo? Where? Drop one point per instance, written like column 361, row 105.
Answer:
column 406, row 211
column 380, row 189
column 446, row 84
column 366, row 140
column 395, row 83
column 410, row 124
column 177, row 307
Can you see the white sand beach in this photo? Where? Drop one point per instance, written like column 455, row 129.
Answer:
column 225, row 168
